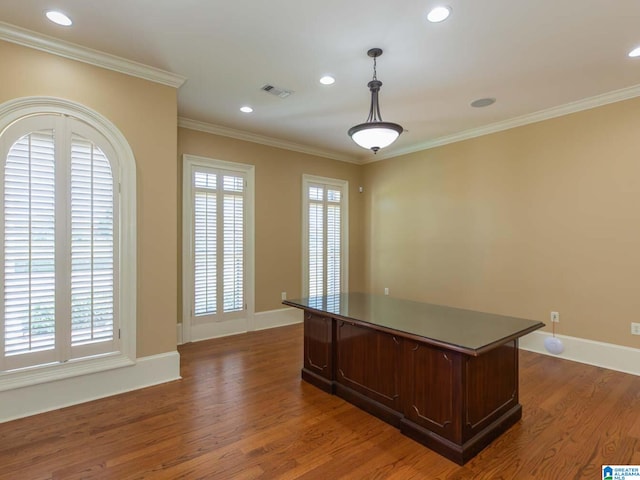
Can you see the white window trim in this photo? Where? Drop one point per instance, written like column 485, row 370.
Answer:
column 19, row 108
column 344, row 185
column 189, row 162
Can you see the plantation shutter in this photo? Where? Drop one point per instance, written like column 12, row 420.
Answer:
column 92, row 244
column 59, row 255
column 205, row 239
column 233, row 234
column 324, row 239
column 219, row 242
column 334, row 215
column 316, row 241
column 29, row 247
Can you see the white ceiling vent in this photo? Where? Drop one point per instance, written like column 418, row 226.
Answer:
column 277, row 91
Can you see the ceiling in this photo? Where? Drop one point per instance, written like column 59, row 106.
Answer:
column 529, row 56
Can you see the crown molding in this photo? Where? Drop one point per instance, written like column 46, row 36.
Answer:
column 72, row 51
column 261, row 139
column 559, row 111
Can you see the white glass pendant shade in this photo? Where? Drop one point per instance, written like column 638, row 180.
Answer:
column 375, row 135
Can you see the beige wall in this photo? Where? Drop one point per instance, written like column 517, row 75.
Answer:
column 538, row 218
column 278, row 224
column 145, row 113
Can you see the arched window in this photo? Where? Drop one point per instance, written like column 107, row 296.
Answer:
column 64, row 294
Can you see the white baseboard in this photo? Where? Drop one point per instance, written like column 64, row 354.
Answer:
column 599, row 354
column 277, row 318
column 208, row 331
column 260, row 321
column 43, row 397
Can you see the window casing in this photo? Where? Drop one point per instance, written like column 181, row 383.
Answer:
column 325, row 236
column 67, row 300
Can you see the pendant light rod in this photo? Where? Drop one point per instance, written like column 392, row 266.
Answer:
column 374, row 87
column 375, row 134
column 374, row 109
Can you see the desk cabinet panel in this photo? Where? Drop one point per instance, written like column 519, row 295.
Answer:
column 432, row 389
column 368, row 362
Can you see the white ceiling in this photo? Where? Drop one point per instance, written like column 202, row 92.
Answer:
column 530, row 55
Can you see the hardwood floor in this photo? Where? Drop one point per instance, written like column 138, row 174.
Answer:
column 242, row 412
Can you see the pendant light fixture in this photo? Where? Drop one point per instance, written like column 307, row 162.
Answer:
column 375, row 134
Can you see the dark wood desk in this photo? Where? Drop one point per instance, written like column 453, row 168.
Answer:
column 446, row 377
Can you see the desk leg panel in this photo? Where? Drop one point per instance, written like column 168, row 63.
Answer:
column 490, row 387
column 318, row 345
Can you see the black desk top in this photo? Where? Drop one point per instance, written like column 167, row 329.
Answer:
column 461, row 330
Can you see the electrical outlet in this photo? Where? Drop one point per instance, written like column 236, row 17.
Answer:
column 554, row 317
column 283, row 296
column 386, row 291
column 635, row 328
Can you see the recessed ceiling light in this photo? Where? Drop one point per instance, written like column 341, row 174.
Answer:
column 59, row 18
column 635, row 52
column 327, row 80
column 439, row 14
column 246, row 109
column 483, row 102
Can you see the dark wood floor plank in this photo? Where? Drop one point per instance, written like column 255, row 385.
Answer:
column 242, row 412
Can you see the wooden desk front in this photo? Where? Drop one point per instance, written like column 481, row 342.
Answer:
column 446, row 377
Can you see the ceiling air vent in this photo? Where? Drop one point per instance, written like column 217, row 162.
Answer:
column 277, row 91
